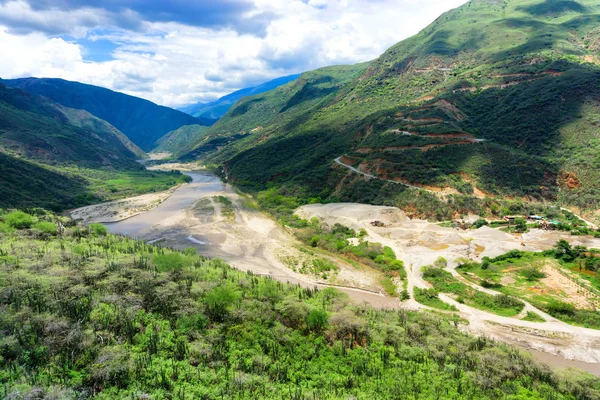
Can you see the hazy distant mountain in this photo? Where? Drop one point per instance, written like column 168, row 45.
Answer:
column 141, row 120
column 216, row 109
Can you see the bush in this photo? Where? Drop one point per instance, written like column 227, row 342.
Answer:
column 19, row 220
column 171, row 261
column 479, row 223
column 317, row 320
column 559, row 307
column 46, row 227
column 532, row 274
column 98, row 229
column 4, row 228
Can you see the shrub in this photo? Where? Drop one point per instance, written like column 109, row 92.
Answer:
column 560, row 307
column 218, row 301
column 98, row 229
column 532, row 274
column 171, row 261
column 317, row 320
column 4, row 228
column 46, row 227
column 19, row 220
column 479, row 223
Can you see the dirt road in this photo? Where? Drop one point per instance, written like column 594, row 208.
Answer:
column 420, row 243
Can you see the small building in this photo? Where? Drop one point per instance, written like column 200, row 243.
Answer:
column 511, row 218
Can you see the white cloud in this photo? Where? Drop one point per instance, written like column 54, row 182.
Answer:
column 174, row 64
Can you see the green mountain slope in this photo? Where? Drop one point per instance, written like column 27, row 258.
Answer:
column 39, row 129
column 180, row 140
column 253, row 118
column 141, row 120
column 498, row 98
column 55, row 157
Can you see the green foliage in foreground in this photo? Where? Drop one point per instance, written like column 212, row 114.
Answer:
column 87, row 316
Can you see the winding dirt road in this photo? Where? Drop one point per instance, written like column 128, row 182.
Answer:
column 420, row 243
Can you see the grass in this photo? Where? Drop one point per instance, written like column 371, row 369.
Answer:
column 389, row 286
column 227, row 209
column 524, row 270
column 533, row 317
column 444, row 282
column 430, row 297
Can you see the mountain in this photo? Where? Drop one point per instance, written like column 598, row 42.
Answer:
column 216, row 109
column 495, row 98
column 180, row 140
column 36, row 128
column 141, row 120
column 56, row 157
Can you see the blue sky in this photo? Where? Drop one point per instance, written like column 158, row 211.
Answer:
column 180, row 51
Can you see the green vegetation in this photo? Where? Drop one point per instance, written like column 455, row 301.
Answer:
column 430, row 297
column 109, row 317
column 141, row 120
column 180, row 141
column 227, row 209
column 60, row 187
column 60, row 158
column 216, row 109
column 525, row 270
column 444, row 282
column 533, row 317
column 519, row 80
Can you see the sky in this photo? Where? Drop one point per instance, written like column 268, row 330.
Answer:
column 177, row 52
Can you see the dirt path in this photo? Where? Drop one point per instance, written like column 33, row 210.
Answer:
column 419, row 243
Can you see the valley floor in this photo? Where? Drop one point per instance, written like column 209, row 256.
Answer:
column 211, row 217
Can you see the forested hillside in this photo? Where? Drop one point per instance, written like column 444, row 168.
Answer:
column 141, row 120
column 56, row 157
column 495, row 98
column 90, row 315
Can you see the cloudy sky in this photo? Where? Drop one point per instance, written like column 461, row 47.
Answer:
column 177, row 52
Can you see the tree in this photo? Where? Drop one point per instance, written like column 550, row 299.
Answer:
column 563, row 250
column 520, row 225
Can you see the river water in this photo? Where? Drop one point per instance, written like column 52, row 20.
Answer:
column 203, row 184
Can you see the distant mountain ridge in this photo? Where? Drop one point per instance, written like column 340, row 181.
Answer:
column 34, row 127
column 142, row 121
column 216, row 109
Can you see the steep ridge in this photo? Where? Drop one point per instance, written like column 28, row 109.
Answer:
column 141, row 120
column 36, row 128
column 55, row 157
column 179, row 141
column 216, row 109
column 499, row 97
